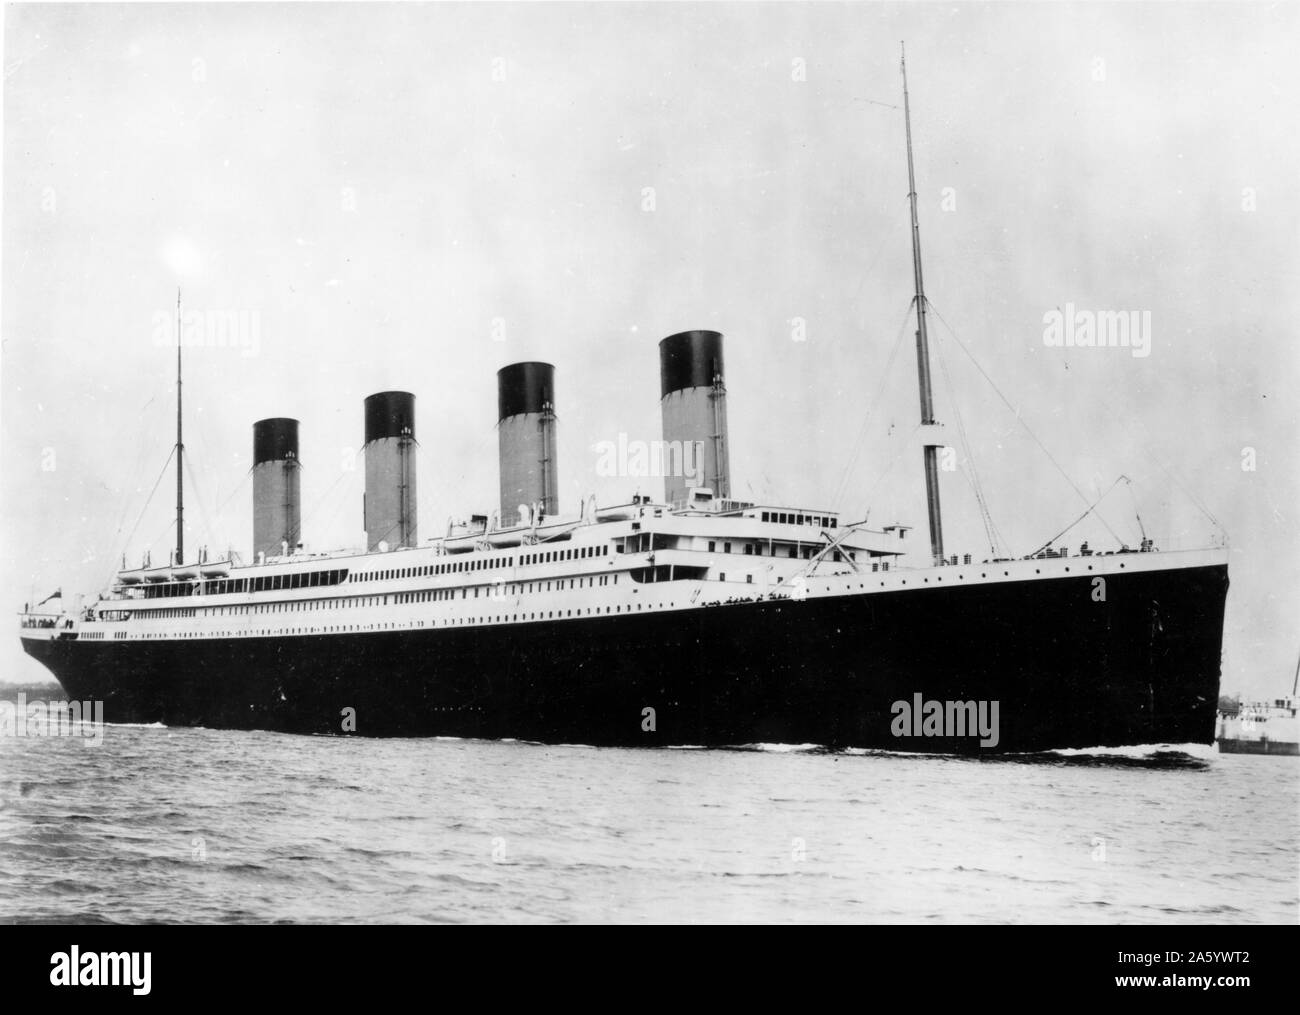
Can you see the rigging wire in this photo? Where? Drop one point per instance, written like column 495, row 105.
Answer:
column 1081, row 518
column 1190, row 496
column 171, row 524
column 841, row 488
column 481, row 450
column 225, row 503
column 323, row 499
column 207, row 527
column 162, row 472
column 973, row 477
column 904, row 445
column 968, row 475
column 197, row 432
column 1132, row 493
column 1145, row 446
column 141, row 456
column 887, row 240
column 1005, row 401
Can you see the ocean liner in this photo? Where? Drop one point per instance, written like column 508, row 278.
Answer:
column 697, row 619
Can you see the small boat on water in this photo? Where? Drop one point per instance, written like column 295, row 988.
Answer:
column 1262, row 727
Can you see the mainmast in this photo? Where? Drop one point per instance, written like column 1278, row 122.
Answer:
column 923, row 350
column 180, row 444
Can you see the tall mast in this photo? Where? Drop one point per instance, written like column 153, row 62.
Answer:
column 180, row 444
column 923, row 347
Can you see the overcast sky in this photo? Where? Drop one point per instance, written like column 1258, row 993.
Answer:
column 410, row 196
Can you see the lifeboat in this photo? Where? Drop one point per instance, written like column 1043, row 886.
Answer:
column 619, row 513
column 546, row 532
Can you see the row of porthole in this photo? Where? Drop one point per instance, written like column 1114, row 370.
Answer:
column 475, row 620
column 961, row 577
column 399, row 598
column 515, row 618
column 455, row 622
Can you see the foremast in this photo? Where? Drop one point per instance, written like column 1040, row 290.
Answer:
column 932, row 446
column 180, row 445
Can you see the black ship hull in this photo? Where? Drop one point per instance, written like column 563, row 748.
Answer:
column 1142, row 667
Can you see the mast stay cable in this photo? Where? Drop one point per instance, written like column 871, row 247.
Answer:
column 1081, row 517
column 162, row 472
column 1020, row 419
column 977, row 487
column 841, row 488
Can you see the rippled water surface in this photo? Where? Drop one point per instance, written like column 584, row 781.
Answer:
column 199, row 826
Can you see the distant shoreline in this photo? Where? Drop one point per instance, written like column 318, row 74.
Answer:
column 46, row 691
